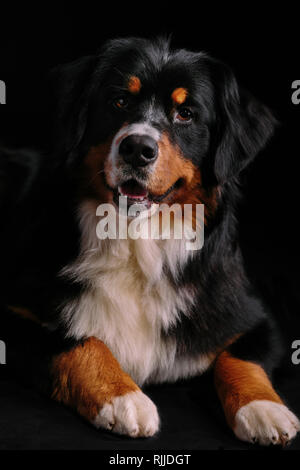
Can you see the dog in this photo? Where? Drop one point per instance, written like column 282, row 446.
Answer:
column 155, row 126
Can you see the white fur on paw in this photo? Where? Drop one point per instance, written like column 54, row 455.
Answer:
column 133, row 414
column 266, row 422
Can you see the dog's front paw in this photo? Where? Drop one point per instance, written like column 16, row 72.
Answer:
column 133, row 414
column 266, row 422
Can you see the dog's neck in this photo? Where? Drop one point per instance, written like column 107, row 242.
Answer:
column 152, row 256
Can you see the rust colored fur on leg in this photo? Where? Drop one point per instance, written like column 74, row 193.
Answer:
column 89, row 376
column 239, row 382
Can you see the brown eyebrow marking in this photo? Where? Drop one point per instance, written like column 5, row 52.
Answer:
column 134, row 85
column 179, row 95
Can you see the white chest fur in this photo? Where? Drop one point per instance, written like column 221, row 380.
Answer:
column 129, row 301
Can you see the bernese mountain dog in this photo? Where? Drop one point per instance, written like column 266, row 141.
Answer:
column 94, row 319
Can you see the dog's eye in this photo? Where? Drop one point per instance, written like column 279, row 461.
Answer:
column 121, row 102
column 183, row 115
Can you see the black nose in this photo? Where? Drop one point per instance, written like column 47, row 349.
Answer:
column 138, row 150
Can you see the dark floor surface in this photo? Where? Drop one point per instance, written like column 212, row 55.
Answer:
column 191, row 416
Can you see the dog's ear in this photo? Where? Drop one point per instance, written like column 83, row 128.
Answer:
column 244, row 125
column 70, row 86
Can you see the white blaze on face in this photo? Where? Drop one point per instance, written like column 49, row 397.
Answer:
column 114, row 158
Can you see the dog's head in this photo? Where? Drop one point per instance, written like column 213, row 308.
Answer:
column 155, row 124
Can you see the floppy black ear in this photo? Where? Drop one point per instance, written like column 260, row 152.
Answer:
column 244, row 124
column 69, row 92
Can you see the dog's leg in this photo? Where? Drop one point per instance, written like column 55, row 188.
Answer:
column 252, row 408
column 89, row 379
column 83, row 375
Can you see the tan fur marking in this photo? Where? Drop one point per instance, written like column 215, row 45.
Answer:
column 25, row 313
column 239, row 382
column 170, row 166
column 94, row 164
column 87, row 377
column 179, row 95
column 134, row 85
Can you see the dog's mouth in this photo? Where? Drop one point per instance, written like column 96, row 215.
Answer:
column 136, row 193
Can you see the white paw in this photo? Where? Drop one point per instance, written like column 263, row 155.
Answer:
column 266, row 422
column 133, row 414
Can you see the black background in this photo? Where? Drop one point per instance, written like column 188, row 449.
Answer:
column 261, row 47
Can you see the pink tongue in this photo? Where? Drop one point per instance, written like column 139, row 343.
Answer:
column 133, row 189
